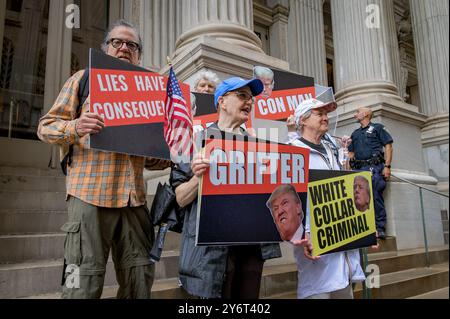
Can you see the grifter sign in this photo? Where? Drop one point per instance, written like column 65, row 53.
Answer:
column 233, row 193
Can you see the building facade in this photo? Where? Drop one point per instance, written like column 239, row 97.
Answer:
column 389, row 55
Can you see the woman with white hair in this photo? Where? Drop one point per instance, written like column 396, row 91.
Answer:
column 205, row 82
column 329, row 276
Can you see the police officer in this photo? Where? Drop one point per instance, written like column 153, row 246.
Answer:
column 366, row 153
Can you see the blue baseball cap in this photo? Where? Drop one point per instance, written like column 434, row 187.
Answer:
column 231, row 84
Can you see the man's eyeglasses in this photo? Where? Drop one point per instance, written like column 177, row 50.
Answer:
column 243, row 96
column 117, row 44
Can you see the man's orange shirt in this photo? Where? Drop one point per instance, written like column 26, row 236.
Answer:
column 103, row 179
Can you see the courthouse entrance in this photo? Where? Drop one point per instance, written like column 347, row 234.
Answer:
column 39, row 51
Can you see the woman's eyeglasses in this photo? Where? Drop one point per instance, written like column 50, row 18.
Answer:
column 243, row 96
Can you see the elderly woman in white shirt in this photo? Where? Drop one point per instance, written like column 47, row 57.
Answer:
column 329, row 276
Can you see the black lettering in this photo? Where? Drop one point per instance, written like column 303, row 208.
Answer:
column 351, row 209
column 335, row 215
column 336, row 186
column 362, row 225
column 326, row 192
column 320, row 239
column 342, row 230
column 326, row 215
column 366, row 227
column 317, row 217
column 335, row 234
column 344, row 212
column 316, row 195
column 353, row 227
column 343, row 189
column 329, row 233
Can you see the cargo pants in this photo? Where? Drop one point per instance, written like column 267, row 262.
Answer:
column 91, row 232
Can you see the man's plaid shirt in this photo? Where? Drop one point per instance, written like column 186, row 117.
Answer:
column 100, row 178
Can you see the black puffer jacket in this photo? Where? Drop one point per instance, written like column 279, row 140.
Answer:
column 202, row 268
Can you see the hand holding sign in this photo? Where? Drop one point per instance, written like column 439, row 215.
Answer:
column 308, row 248
column 290, row 123
column 89, row 123
column 199, row 165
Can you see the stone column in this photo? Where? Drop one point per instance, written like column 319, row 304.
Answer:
column 430, row 31
column 430, row 24
column 279, row 30
column 230, row 21
column 57, row 67
column 159, row 31
column 307, row 39
column 59, row 49
column 365, row 47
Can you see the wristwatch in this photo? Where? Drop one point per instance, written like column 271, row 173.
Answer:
column 388, row 166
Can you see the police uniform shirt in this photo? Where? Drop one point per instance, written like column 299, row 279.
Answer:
column 369, row 140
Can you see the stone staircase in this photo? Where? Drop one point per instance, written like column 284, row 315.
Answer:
column 32, row 210
column 403, row 274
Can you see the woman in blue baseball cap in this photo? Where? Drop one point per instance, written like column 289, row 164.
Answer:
column 212, row 271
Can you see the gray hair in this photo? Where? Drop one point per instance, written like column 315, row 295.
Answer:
column 207, row 75
column 121, row 23
column 263, row 72
column 305, row 116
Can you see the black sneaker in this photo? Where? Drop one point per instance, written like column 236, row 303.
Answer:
column 381, row 234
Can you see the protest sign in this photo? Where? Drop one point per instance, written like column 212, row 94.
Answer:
column 283, row 91
column 243, row 173
column 131, row 101
column 341, row 210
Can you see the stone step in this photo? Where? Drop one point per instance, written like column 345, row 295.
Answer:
column 22, row 248
column 32, row 183
column 55, row 201
column 15, row 221
column 390, row 262
column 408, row 283
column 384, row 245
column 30, row 171
column 169, row 289
column 278, row 279
column 285, row 295
column 31, row 247
column 434, row 294
column 44, row 277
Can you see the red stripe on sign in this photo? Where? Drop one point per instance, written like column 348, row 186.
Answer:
column 239, row 167
column 282, row 103
column 129, row 97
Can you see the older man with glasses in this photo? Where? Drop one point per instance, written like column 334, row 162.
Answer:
column 105, row 190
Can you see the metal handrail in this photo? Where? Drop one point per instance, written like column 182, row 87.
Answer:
column 419, row 186
column 367, row 291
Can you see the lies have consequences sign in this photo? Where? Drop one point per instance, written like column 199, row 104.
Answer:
column 131, row 101
column 233, row 192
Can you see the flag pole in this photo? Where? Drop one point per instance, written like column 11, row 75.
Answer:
column 169, row 61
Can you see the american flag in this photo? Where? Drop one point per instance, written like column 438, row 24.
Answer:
column 178, row 122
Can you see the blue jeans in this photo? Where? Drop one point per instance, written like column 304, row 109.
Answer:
column 378, row 186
